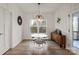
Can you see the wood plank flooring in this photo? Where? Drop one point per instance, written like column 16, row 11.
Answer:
column 32, row 48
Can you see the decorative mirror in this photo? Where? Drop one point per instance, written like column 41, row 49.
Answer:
column 19, row 20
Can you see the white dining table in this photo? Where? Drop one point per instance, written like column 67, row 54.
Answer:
column 41, row 35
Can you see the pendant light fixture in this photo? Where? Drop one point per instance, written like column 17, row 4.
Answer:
column 39, row 17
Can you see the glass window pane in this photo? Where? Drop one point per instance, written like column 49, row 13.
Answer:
column 43, row 23
column 33, row 23
column 42, row 30
column 33, row 29
column 76, row 36
column 75, row 23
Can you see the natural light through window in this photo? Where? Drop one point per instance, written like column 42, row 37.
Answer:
column 38, row 27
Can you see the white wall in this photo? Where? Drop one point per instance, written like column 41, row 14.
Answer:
column 5, row 14
column 12, row 31
column 66, row 22
column 16, row 29
column 27, row 19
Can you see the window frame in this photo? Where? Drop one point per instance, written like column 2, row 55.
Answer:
column 38, row 27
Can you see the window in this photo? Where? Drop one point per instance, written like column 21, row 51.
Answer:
column 76, row 30
column 38, row 27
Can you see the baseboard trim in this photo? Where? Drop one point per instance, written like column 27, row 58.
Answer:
column 6, row 51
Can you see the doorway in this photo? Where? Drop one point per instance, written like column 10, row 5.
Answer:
column 5, row 30
column 75, row 28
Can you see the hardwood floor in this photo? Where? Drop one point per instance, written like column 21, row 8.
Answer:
column 32, row 48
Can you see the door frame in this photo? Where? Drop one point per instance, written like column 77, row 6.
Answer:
column 71, row 26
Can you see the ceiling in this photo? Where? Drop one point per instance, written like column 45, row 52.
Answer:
column 44, row 7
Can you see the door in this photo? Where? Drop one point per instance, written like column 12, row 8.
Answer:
column 76, row 30
column 2, row 41
column 7, row 29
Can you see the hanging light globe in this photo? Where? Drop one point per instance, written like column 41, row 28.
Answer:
column 39, row 17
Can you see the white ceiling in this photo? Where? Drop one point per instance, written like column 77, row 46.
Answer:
column 44, row 7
